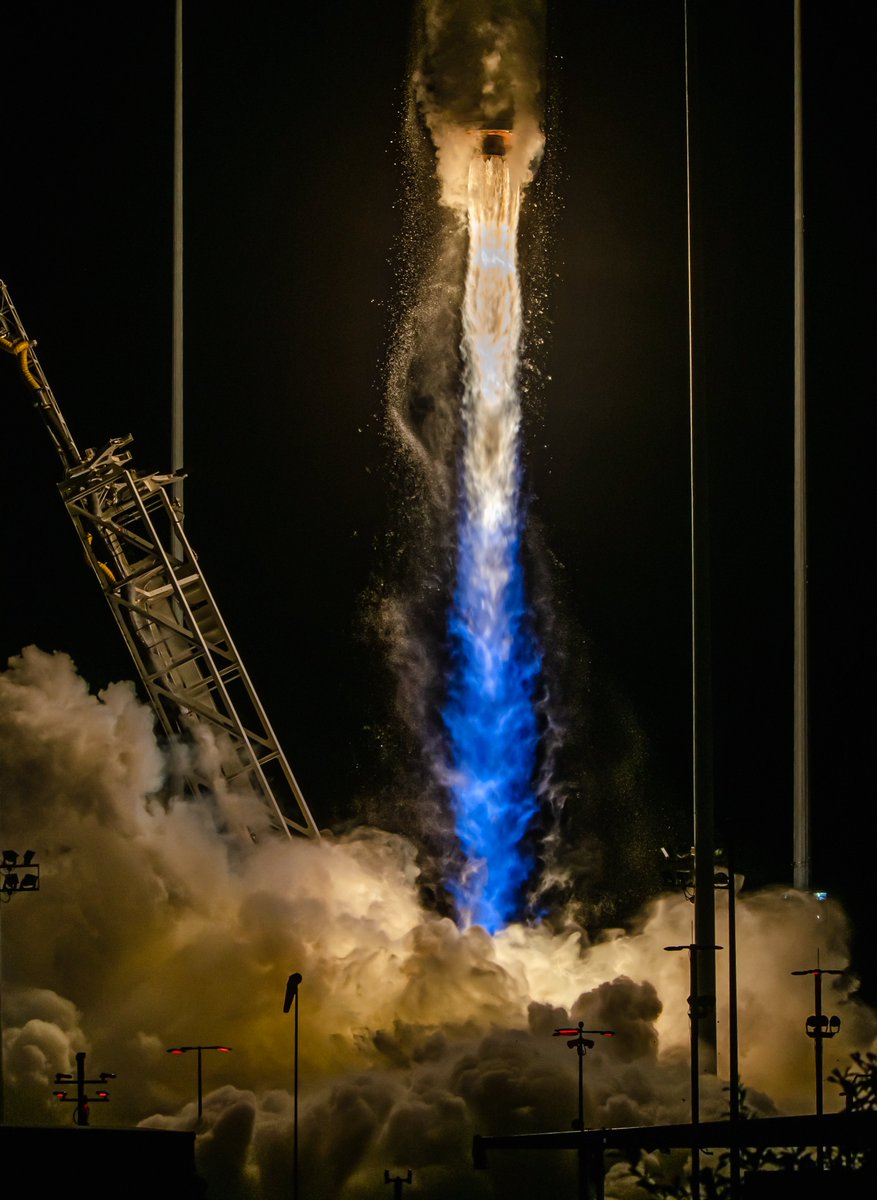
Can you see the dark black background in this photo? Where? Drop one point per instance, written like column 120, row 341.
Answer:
column 293, row 193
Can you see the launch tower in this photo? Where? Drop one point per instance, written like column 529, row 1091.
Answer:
column 131, row 530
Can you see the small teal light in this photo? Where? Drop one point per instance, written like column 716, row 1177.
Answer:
column 821, row 895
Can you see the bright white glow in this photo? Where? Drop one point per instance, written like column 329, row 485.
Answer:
column 491, row 333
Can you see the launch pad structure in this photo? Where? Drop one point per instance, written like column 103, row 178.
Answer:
column 131, row 530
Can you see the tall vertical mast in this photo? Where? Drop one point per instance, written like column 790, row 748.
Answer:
column 177, row 353
column 704, row 1004
column 801, row 858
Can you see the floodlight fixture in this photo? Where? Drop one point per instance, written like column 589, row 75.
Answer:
column 185, row 1050
column 818, row 1027
column 581, row 1045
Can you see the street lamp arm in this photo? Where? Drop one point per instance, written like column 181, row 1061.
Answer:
column 291, row 990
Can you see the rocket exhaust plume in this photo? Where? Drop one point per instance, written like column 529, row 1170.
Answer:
column 461, row 627
column 489, row 714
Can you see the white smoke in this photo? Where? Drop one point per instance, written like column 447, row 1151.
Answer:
column 152, row 928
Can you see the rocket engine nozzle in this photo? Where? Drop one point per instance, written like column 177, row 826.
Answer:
column 494, row 142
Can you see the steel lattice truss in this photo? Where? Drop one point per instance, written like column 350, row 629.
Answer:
column 131, row 530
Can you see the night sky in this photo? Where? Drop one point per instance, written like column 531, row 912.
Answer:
column 294, row 170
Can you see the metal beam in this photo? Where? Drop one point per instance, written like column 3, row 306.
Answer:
column 846, row 1130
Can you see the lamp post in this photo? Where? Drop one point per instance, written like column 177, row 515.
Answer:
column 81, row 1100
column 679, row 874
column 819, row 1027
column 398, row 1182
column 292, row 985
column 698, row 1007
column 18, row 873
column 582, row 1045
column 185, row 1050
column 727, row 879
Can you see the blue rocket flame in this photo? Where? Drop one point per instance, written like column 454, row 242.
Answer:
column 493, row 730
column 489, row 713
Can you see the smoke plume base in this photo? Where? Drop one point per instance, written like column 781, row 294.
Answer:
column 155, row 926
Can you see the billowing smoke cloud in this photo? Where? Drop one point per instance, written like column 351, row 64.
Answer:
column 154, row 926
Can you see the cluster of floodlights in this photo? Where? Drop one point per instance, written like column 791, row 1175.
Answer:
column 81, row 1099
column 19, row 873
column 102, row 1095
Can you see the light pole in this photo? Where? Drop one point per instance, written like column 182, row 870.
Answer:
column 292, row 985
column 185, row 1050
column 398, row 1182
column 81, row 1100
column 582, row 1045
column 727, row 879
column 698, row 1008
column 18, row 873
column 681, row 876
column 819, row 1027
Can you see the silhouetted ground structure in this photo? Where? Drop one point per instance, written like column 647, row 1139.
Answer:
column 846, row 1131
column 135, row 1163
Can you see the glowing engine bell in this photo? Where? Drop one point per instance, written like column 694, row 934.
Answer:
column 494, row 142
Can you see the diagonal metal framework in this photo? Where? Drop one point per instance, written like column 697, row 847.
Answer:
column 131, row 531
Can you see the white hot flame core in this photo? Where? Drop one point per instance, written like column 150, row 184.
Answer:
column 491, row 334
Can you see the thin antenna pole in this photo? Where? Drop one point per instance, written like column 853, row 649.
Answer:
column 177, row 363
column 733, row 1023
column 801, row 857
column 701, row 631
